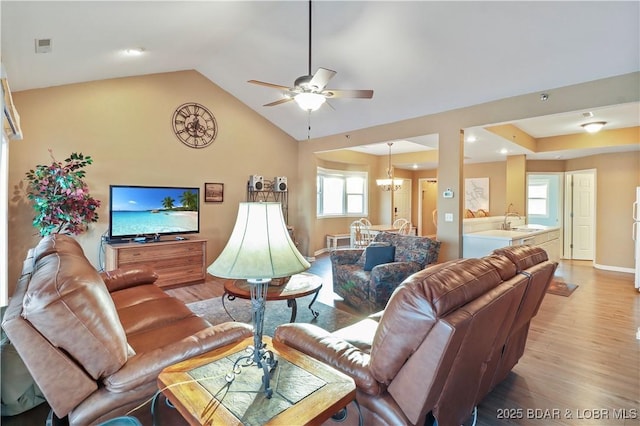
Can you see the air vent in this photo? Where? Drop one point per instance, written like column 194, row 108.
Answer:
column 43, row 45
column 587, row 114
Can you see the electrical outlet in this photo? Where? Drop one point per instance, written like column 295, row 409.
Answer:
column 448, row 217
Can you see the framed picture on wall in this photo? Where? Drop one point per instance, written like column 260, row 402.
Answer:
column 213, row 192
column 476, row 194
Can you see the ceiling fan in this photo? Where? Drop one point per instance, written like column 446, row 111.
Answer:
column 309, row 91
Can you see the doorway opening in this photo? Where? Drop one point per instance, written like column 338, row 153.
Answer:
column 427, row 207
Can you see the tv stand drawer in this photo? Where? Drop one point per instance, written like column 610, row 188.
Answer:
column 176, row 262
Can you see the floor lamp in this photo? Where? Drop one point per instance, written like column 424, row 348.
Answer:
column 259, row 249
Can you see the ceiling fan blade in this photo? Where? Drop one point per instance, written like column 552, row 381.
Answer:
column 263, row 83
column 321, row 78
column 278, row 102
column 334, row 93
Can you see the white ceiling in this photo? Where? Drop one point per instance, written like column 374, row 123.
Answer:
column 419, row 57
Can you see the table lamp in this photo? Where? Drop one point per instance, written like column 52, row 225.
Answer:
column 260, row 248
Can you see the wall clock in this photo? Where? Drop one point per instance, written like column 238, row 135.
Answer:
column 194, row 125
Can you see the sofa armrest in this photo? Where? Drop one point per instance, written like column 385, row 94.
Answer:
column 385, row 278
column 338, row 353
column 125, row 277
column 145, row 367
column 345, row 256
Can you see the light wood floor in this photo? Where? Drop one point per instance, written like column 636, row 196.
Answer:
column 581, row 365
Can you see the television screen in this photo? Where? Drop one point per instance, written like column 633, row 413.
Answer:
column 152, row 211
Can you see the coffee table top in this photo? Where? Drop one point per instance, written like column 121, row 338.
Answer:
column 199, row 406
column 299, row 285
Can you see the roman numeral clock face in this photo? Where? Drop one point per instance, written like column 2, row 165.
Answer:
column 194, row 125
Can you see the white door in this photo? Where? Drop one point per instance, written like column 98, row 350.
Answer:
column 402, row 201
column 582, row 215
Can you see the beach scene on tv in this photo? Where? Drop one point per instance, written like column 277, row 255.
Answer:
column 149, row 211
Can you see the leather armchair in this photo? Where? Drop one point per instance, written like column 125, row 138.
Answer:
column 95, row 343
column 369, row 291
column 446, row 337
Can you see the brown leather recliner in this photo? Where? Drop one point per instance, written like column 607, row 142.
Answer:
column 95, row 343
column 444, row 340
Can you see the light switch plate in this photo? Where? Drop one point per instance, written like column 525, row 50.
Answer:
column 448, row 217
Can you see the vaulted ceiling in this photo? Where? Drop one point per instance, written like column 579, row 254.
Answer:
column 419, row 58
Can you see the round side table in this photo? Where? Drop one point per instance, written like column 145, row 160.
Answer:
column 299, row 285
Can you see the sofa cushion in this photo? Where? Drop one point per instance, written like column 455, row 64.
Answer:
column 68, row 303
column 421, row 300
column 410, row 248
column 378, row 255
column 363, row 257
column 523, row 256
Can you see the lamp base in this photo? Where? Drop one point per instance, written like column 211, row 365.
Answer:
column 261, row 357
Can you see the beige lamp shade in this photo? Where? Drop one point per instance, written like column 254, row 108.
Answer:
column 260, row 246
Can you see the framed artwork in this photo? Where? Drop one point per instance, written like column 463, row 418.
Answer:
column 476, row 194
column 213, row 192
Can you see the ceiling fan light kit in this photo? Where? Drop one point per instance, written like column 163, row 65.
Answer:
column 309, row 101
column 309, row 90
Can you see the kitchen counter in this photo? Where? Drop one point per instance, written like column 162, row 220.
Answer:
column 478, row 244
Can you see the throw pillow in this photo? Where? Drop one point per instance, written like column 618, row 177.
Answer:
column 379, row 255
column 363, row 257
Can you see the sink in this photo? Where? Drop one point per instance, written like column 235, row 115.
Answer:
column 525, row 229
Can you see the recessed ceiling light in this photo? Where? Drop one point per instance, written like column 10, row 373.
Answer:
column 471, row 139
column 134, row 52
column 504, row 151
column 415, row 166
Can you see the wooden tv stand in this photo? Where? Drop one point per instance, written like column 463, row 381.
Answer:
column 176, row 262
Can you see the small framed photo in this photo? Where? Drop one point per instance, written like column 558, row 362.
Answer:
column 213, row 192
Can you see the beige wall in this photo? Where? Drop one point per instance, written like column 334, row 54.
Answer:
column 125, row 125
column 586, row 96
column 617, row 176
column 496, row 172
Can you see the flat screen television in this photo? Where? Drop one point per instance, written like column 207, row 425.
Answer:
column 149, row 212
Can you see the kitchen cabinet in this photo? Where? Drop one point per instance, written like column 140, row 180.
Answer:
column 479, row 244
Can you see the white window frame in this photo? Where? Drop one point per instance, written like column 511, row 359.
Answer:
column 344, row 175
column 538, row 182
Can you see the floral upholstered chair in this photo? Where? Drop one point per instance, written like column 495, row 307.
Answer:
column 365, row 278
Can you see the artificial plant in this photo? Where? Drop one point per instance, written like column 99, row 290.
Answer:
column 60, row 196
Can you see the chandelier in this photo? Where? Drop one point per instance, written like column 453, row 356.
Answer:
column 389, row 183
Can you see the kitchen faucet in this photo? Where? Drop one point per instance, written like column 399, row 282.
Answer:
column 507, row 225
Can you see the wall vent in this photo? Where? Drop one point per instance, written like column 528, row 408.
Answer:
column 43, row 45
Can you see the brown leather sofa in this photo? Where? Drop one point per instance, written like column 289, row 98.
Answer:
column 448, row 335
column 95, row 343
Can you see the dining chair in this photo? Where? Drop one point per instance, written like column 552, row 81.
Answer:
column 365, row 221
column 405, row 228
column 397, row 224
column 359, row 233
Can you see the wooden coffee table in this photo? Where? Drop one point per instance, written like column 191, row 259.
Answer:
column 299, row 285
column 306, row 391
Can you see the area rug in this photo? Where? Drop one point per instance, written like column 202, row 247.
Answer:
column 561, row 288
column 276, row 313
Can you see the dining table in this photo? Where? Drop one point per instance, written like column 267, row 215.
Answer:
column 373, row 230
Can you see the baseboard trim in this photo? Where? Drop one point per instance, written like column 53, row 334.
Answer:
column 614, row 268
column 321, row 251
